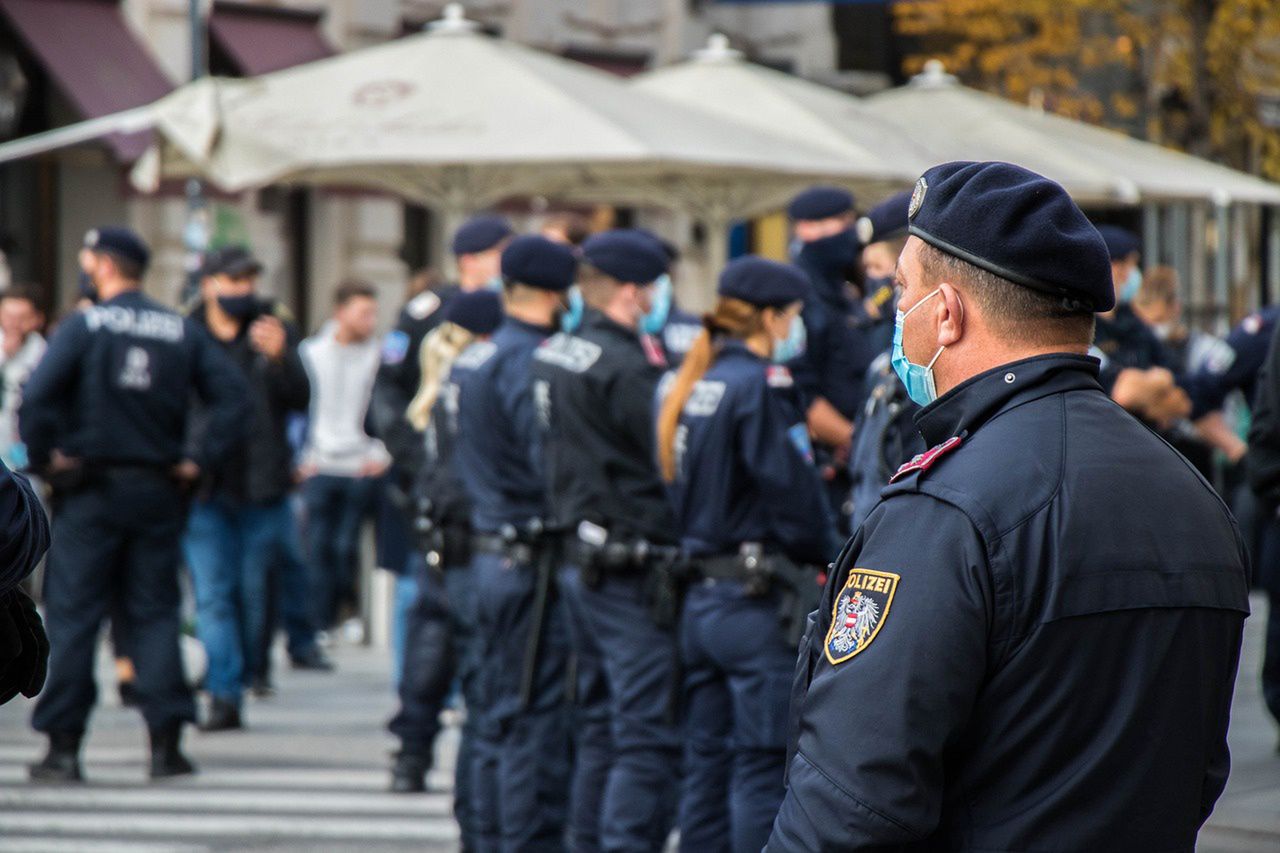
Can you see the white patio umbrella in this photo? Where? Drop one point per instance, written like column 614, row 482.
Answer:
column 720, row 82
column 458, row 120
column 954, row 122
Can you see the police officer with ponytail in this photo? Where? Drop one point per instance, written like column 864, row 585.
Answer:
column 750, row 511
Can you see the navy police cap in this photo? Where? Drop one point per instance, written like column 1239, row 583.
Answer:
column 626, row 255
column 820, row 203
column 886, row 220
column 538, row 262
column 763, row 282
column 480, row 233
column 1121, row 242
column 477, row 311
column 118, row 241
column 231, row 261
column 1016, row 224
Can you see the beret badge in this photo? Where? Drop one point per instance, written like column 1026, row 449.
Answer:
column 917, row 198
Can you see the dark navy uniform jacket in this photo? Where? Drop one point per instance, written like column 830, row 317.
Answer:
column 1030, row 644
column 499, row 453
column 678, row 335
column 837, row 352
column 115, row 387
column 593, row 392
column 1238, row 369
column 884, row 438
column 438, row 480
column 1125, row 341
column 744, row 470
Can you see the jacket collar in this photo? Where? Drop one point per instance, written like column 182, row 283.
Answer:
column 972, row 403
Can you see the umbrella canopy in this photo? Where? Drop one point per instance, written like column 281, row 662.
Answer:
column 721, row 83
column 457, row 119
column 1092, row 163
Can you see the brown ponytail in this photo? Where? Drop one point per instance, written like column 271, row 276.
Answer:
column 731, row 318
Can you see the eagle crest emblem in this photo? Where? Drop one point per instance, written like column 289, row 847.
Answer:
column 859, row 612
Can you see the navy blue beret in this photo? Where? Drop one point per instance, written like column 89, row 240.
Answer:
column 886, row 220
column 763, row 282
column 820, row 203
column 480, row 233
column 1121, row 242
column 1019, row 225
column 538, row 262
column 477, row 311
column 672, row 252
column 626, row 255
column 118, row 241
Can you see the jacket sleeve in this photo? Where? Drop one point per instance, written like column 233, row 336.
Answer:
column 868, row 770
column 287, row 384
column 46, row 393
column 225, row 394
column 393, row 389
column 1263, row 458
column 25, row 526
column 515, row 396
column 774, row 442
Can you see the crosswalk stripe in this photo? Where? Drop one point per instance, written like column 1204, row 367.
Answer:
column 33, row 844
column 183, row 826
column 148, row 798
column 246, row 777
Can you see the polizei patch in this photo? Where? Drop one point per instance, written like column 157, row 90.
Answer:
column 860, row 611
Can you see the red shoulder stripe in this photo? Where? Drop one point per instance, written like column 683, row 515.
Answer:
column 924, row 461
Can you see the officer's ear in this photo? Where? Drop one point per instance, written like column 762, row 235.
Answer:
column 952, row 322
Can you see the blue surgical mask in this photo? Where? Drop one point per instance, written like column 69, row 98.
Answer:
column 1132, row 285
column 653, row 322
column 571, row 318
column 918, row 379
column 792, row 346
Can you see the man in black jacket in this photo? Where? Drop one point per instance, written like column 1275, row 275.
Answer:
column 241, row 526
column 1263, row 463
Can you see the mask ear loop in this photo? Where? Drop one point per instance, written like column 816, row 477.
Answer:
column 937, row 354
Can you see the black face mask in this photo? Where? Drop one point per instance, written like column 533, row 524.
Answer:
column 838, row 255
column 88, row 290
column 241, row 308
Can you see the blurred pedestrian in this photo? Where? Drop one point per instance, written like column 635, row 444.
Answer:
column 522, row 768
column 341, row 463
column 21, row 348
column 1035, row 595
column 751, row 514
column 104, row 416
column 241, row 530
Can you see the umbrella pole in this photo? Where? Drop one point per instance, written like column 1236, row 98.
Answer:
column 451, row 216
column 716, row 226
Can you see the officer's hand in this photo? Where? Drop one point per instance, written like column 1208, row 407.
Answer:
column 61, row 463
column 267, row 336
column 24, row 647
column 186, row 472
column 374, row 468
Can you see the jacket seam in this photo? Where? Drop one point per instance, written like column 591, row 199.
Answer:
column 916, row 835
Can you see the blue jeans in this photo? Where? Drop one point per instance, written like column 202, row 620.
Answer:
column 335, row 507
column 737, row 688
column 231, row 550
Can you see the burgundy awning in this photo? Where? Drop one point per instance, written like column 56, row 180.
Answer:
column 259, row 39
column 94, row 59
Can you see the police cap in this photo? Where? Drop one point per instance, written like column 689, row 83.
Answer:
column 123, row 242
column 232, row 261
column 626, row 255
column 534, row 260
column 477, row 311
column 480, row 233
column 1121, row 242
column 820, row 203
column 886, row 220
column 763, row 282
column 1016, row 224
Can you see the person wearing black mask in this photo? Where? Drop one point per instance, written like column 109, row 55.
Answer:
column 241, row 527
column 836, row 353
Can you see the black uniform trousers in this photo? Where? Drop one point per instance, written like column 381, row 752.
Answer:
column 115, row 539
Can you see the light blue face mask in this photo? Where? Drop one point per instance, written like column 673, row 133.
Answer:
column 571, row 319
column 918, row 379
column 494, row 283
column 792, row 346
column 1132, row 285
column 653, row 322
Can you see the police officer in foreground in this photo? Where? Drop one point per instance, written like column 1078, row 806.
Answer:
column 1031, row 643
column 105, row 415
column 594, row 393
column 752, row 520
column 522, row 739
